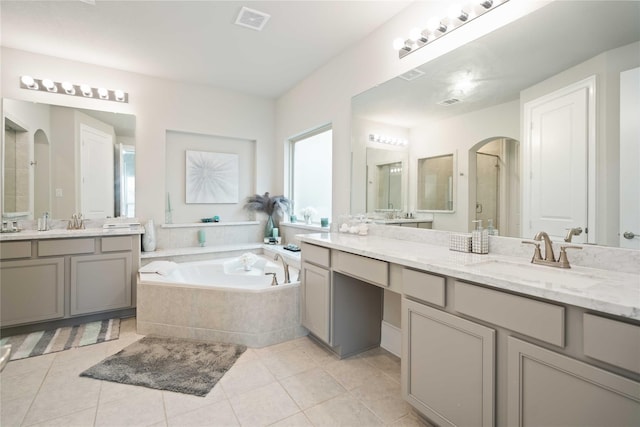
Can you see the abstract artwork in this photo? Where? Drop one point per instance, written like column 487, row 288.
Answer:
column 212, row 177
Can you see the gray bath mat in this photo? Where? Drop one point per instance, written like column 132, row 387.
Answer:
column 173, row 364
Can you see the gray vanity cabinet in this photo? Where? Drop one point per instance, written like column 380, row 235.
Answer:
column 316, row 291
column 316, row 300
column 547, row 388
column 50, row 279
column 447, row 366
column 31, row 290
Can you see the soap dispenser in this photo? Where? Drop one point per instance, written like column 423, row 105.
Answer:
column 479, row 239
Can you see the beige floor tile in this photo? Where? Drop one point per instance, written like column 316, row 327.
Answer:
column 382, row 395
column 248, row 356
column 245, row 377
column 384, row 361
column 297, row 420
column 410, row 421
column 141, row 410
column 318, row 353
column 217, row 414
column 77, row 419
column 344, row 410
column 263, row 406
column 352, row 372
column 30, row 364
column 276, row 348
column 21, row 386
column 128, row 326
column 179, row 403
column 63, row 396
column 12, row 412
column 312, row 387
column 286, row 363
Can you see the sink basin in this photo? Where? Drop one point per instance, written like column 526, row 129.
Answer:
column 571, row 278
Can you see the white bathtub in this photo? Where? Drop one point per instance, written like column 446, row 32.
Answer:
column 218, row 301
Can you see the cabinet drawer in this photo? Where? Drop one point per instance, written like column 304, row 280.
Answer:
column 316, row 255
column 368, row 269
column 66, row 247
column 526, row 316
column 113, row 244
column 613, row 342
column 424, row 286
column 13, row 250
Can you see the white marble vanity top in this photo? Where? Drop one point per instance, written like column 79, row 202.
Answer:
column 61, row 233
column 605, row 291
column 400, row 220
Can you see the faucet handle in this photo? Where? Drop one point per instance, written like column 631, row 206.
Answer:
column 563, row 261
column 537, row 255
column 274, row 279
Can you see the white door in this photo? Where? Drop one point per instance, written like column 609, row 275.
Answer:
column 555, row 162
column 630, row 159
column 97, row 176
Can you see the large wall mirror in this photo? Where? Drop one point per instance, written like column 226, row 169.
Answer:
column 65, row 161
column 472, row 102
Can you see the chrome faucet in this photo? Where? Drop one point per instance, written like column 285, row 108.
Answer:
column 76, row 222
column 287, row 279
column 274, row 279
column 549, row 257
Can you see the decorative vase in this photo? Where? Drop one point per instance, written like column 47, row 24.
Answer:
column 268, row 229
column 307, row 219
column 149, row 237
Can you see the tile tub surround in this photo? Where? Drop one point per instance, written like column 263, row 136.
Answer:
column 615, row 292
column 255, row 318
column 175, row 236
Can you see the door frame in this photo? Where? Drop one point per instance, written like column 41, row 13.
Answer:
column 588, row 83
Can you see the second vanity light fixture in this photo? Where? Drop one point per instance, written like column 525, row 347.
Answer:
column 436, row 27
column 67, row 88
column 382, row 139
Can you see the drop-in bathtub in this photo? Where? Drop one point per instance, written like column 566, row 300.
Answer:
column 218, row 301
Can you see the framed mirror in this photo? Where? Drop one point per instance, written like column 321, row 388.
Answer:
column 386, row 180
column 436, row 184
column 64, row 160
column 475, row 94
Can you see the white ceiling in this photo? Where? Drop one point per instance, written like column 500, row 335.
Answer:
column 196, row 41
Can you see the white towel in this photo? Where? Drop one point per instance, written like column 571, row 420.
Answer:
column 159, row 267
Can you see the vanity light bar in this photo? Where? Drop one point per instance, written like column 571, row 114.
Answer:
column 436, row 27
column 382, row 139
column 66, row 88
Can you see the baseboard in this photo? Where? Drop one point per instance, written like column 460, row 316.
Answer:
column 391, row 338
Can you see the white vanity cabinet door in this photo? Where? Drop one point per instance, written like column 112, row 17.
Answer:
column 316, row 300
column 546, row 388
column 31, row 291
column 448, row 366
column 100, row 282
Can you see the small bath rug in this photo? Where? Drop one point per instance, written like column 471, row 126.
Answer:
column 173, row 364
column 54, row 340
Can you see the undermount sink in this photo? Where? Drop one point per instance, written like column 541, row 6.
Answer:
column 543, row 274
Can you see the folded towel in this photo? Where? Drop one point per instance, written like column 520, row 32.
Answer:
column 159, row 267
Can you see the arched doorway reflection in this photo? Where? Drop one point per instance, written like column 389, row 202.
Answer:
column 494, row 187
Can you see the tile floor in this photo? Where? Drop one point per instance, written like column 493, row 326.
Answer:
column 296, row 383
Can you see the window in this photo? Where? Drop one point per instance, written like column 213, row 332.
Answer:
column 310, row 172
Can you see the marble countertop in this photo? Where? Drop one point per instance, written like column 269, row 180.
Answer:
column 606, row 291
column 61, row 233
column 400, row 220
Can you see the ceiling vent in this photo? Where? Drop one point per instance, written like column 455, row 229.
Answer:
column 412, row 74
column 449, row 101
column 252, row 18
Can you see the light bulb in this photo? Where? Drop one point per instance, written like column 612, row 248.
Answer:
column 399, row 43
column 68, row 88
column 86, row 90
column 485, row 3
column 103, row 93
column 49, row 85
column 29, row 82
column 119, row 94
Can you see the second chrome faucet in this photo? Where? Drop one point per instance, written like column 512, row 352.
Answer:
column 549, row 257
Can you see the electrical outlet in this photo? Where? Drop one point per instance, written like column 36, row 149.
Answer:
column 58, row 192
